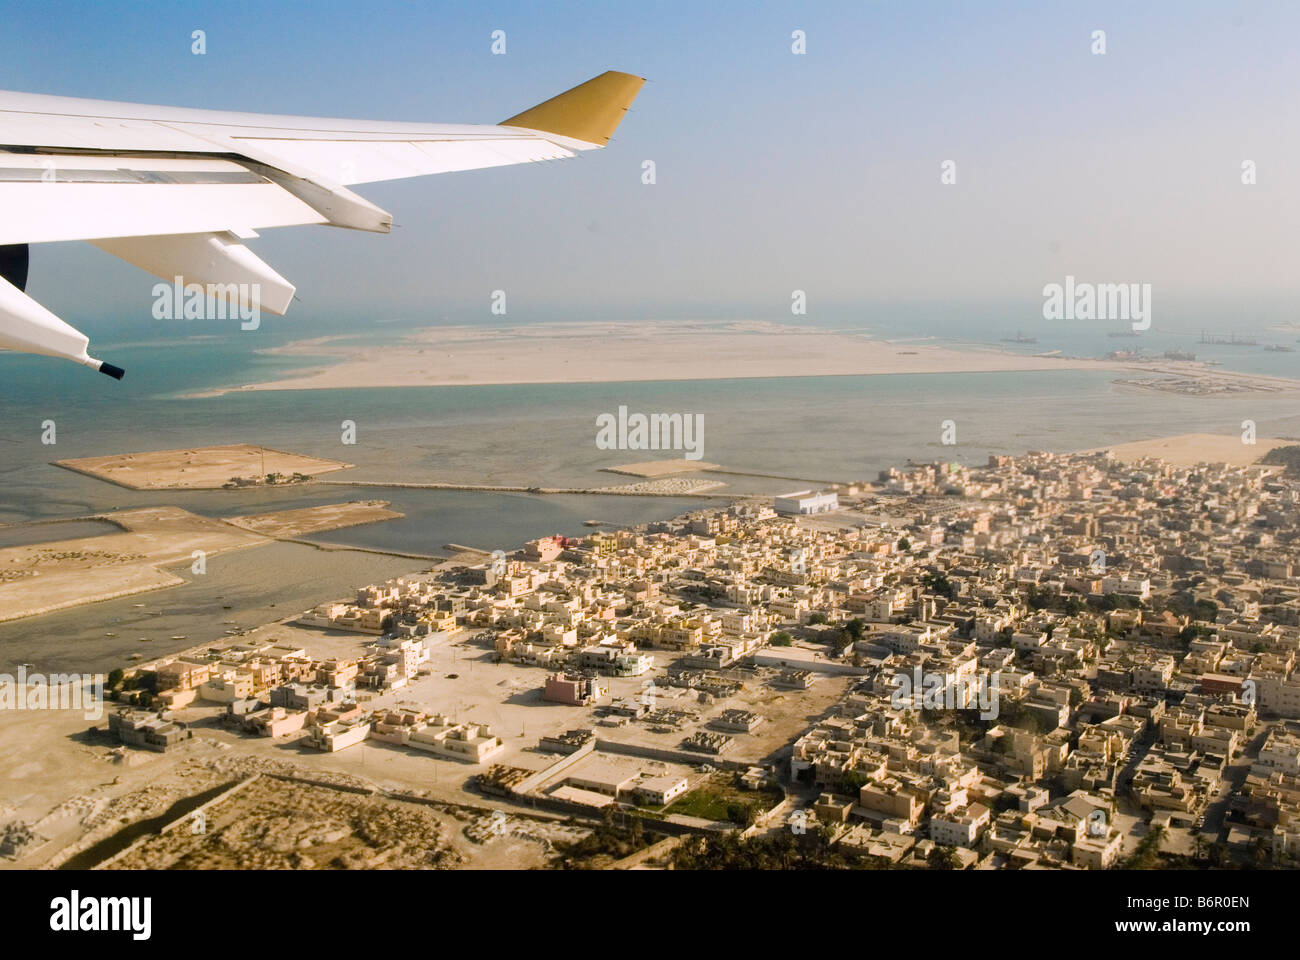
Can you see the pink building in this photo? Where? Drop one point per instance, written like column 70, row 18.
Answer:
column 577, row 691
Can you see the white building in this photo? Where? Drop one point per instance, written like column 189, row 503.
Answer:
column 1276, row 694
column 659, row 791
column 806, row 502
column 439, row 734
column 1139, row 587
column 1281, row 752
column 1097, row 853
column 337, row 735
column 960, row 829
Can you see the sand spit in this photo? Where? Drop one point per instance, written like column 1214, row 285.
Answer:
column 661, row 468
column 43, row 577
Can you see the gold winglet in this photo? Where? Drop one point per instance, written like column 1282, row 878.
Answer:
column 590, row 112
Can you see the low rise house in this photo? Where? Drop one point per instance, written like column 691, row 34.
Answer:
column 148, row 729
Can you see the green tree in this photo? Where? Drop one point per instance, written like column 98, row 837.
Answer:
column 938, row 582
column 1147, row 854
column 743, row 814
column 942, row 858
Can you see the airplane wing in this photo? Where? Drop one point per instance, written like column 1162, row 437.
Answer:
column 177, row 191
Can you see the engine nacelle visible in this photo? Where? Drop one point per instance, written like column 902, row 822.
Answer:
column 14, row 260
column 28, row 327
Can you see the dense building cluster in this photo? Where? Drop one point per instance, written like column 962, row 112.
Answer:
column 1038, row 654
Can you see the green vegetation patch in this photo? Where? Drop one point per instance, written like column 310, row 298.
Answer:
column 723, row 800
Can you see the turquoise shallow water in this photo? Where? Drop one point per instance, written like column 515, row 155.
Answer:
column 821, row 427
column 828, row 428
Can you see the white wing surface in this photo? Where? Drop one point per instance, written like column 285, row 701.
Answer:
column 176, row 191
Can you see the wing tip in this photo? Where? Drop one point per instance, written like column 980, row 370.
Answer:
column 589, row 112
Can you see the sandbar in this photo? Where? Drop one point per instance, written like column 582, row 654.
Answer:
column 620, row 352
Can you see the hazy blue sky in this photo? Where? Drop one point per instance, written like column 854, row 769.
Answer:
column 775, row 171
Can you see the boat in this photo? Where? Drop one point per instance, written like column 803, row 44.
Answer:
column 1228, row 340
column 1280, row 348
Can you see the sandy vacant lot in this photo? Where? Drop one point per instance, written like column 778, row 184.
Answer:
column 275, row 824
column 1189, row 449
column 75, row 791
column 197, row 468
